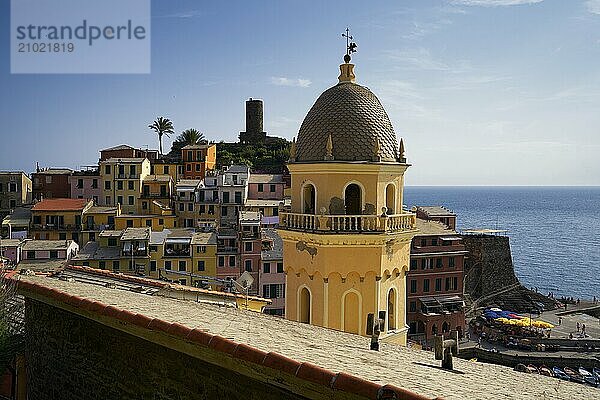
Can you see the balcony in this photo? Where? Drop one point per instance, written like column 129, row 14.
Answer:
column 155, row 195
column 348, row 223
column 56, row 227
column 227, row 249
column 98, row 227
column 175, row 251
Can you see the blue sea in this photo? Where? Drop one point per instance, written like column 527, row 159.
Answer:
column 554, row 231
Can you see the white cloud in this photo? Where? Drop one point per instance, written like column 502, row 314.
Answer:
column 282, row 81
column 593, row 6
column 182, row 14
column 494, row 3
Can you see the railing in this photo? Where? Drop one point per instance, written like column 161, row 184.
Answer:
column 348, row 223
column 98, row 227
column 55, row 227
column 155, row 195
column 226, row 249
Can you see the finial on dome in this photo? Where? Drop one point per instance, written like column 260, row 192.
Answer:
column 329, row 149
column 377, row 156
column 347, row 69
column 402, row 156
column 293, row 150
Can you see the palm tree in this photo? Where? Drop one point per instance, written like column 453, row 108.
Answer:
column 162, row 126
column 190, row 136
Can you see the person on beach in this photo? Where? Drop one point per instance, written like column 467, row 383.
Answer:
column 583, row 329
column 559, row 321
column 577, row 326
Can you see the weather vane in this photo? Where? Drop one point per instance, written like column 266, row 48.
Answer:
column 350, row 46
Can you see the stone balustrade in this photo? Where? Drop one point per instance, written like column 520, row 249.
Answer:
column 348, row 223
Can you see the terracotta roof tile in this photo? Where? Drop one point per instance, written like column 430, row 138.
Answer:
column 61, row 205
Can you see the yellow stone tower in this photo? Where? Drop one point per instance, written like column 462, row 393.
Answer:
column 346, row 241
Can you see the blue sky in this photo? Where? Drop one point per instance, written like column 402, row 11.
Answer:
column 484, row 92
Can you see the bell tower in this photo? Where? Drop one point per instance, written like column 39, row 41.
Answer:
column 346, row 241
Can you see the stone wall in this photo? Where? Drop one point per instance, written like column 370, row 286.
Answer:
column 490, row 278
column 71, row 357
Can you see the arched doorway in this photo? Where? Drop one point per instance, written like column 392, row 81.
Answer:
column 304, row 305
column 391, row 310
column 353, row 199
column 390, row 199
column 309, row 199
column 351, row 313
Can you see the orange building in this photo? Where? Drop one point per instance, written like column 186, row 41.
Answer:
column 197, row 159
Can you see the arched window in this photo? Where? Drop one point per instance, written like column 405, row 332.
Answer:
column 445, row 327
column 309, row 196
column 390, row 199
column 392, row 309
column 304, row 314
column 434, row 329
column 353, row 199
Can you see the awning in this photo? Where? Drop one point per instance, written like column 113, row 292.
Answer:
column 451, row 238
column 178, row 241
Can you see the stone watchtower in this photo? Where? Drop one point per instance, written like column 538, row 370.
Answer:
column 346, row 240
column 254, row 123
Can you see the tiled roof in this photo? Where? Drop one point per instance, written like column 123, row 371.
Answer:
column 436, row 211
column 55, row 171
column 119, row 147
column 124, row 160
column 60, row 205
column 265, row 178
column 433, row 228
column 136, row 234
column 249, row 216
column 300, row 355
column 101, row 210
column 237, row 169
column 356, row 121
column 197, row 146
column 209, row 238
column 46, row 244
column 41, row 265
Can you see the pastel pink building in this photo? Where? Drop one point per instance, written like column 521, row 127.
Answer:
column 10, row 250
column 271, row 276
column 87, row 184
column 265, row 187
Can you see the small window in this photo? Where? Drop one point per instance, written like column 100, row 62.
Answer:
column 279, row 267
column 412, row 306
column 107, row 169
column 161, row 221
column 451, row 262
column 413, row 286
column 266, row 268
column 261, row 187
column 181, row 206
column 248, row 265
column 201, row 249
column 144, row 205
column 30, row 254
column 131, row 185
column 426, row 285
column 119, row 185
column 107, row 185
column 413, row 264
column 153, row 249
column 438, row 285
column 224, row 211
column 232, row 261
column 112, row 242
column 53, row 254
column 116, row 266
column 191, row 207
column 102, row 264
column 166, row 170
column 131, row 200
column 182, row 265
column 221, row 261
column 248, row 246
column 168, row 265
column 120, row 199
column 188, row 167
column 434, row 242
column 149, row 223
column 423, row 242
column 439, row 263
column 200, row 265
column 272, row 188
column 152, row 265
column 129, row 223
column 197, row 167
column 62, row 236
column 107, row 200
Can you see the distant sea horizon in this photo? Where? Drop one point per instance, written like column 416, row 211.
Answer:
column 554, row 231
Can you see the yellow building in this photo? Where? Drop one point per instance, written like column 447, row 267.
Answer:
column 97, row 219
column 165, row 167
column 183, row 256
column 346, row 241
column 155, row 221
column 124, row 251
column 122, row 180
column 59, row 219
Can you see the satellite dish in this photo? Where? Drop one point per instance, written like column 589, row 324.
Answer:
column 245, row 280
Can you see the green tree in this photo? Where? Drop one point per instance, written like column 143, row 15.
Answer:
column 188, row 137
column 162, row 126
